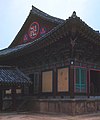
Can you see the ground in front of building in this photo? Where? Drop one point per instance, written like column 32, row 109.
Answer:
column 35, row 116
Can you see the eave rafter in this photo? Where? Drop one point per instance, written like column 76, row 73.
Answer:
column 89, row 33
column 89, row 51
column 84, row 40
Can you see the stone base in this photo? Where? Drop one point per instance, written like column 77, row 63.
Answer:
column 63, row 106
column 59, row 106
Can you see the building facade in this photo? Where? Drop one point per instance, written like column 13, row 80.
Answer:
column 61, row 57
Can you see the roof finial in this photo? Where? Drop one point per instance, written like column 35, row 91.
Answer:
column 74, row 14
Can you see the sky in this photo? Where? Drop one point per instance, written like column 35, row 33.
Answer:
column 13, row 14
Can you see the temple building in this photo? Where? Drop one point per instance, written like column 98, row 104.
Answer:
column 52, row 58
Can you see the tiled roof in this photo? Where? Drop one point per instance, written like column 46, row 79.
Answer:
column 34, row 43
column 12, row 75
column 12, row 50
column 35, row 13
column 46, row 16
column 15, row 49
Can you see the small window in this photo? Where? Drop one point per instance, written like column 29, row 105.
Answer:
column 18, row 91
column 8, row 92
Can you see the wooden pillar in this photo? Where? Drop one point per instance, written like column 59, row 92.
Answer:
column 14, row 98
column 54, row 83
column 88, row 83
column 1, row 100
column 40, row 85
column 71, row 79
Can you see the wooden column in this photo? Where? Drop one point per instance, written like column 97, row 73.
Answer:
column 40, row 85
column 1, row 100
column 71, row 79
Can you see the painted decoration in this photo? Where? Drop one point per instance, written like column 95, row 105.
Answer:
column 63, row 81
column 42, row 31
column 47, row 81
column 25, row 38
column 33, row 30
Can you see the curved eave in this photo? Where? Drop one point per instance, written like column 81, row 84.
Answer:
column 54, row 35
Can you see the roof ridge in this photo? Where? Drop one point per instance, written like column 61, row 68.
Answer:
column 45, row 15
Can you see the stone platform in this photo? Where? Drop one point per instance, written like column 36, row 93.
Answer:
column 62, row 106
